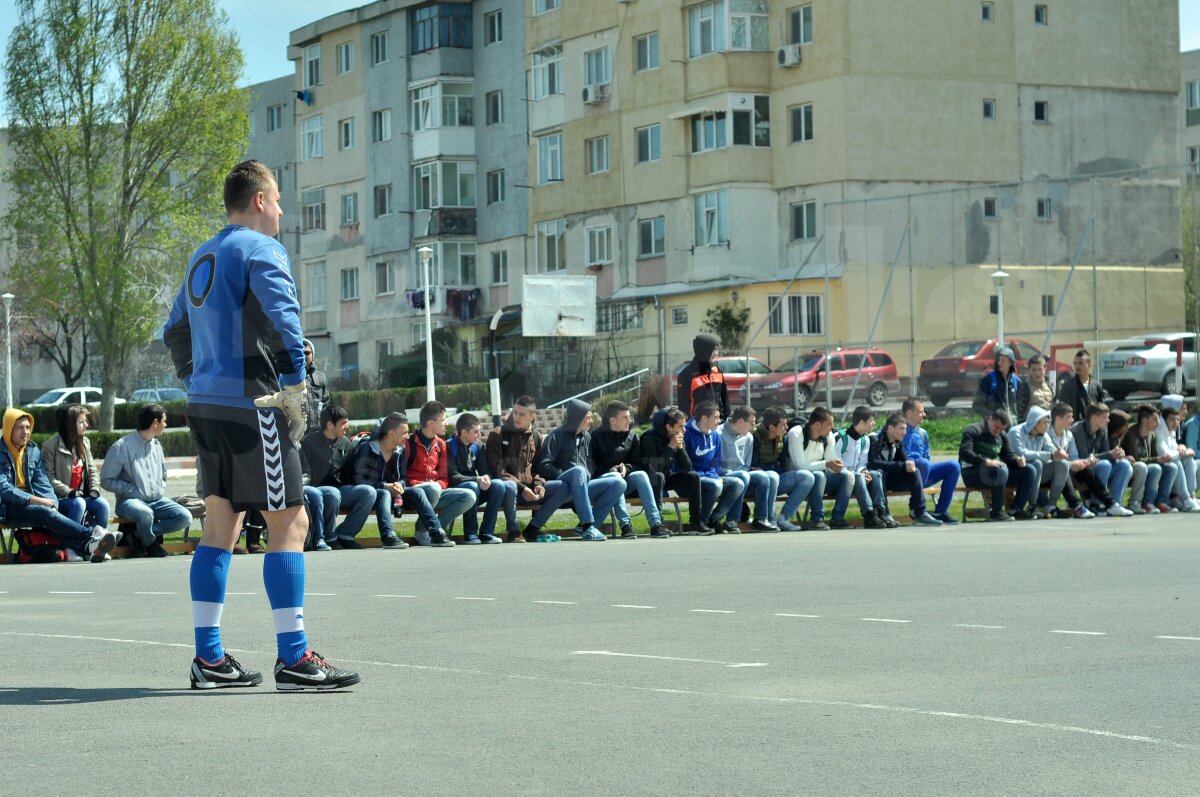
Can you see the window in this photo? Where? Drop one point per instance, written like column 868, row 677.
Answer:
column 348, row 357
column 994, row 304
column 500, row 268
column 346, row 133
column 349, row 209
column 312, row 210
column 441, row 25
column 595, row 67
column 379, row 47
column 493, row 103
column 712, row 218
column 1041, row 15
column 1044, row 209
column 385, row 279
column 597, row 154
column 383, row 351
column 800, row 25
column 345, row 58
column 748, row 28
column 986, row 12
column 542, row 6
column 645, row 52
column 551, row 245
column 753, row 128
column 443, row 105
column 277, row 174
column 804, row 220
column 802, row 122
column 383, row 200
column 728, row 24
column 599, row 245
column 550, row 165
column 495, row 186
column 381, row 125
column 418, row 333
column 619, row 317
column 1047, row 305
column 312, row 65
column 349, row 284
column 1041, row 111
column 1193, row 159
column 708, row 132
column 547, row 72
column 989, row 207
column 252, row 119
column 989, row 109
column 1193, row 95
column 314, row 286
column 706, row 28
column 314, row 139
column 649, row 148
column 679, row 316
column 799, row 315
column 444, row 184
column 651, row 237
column 274, row 118
column 493, row 27
column 452, row 263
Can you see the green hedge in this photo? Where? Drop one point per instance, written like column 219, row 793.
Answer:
column 175, row 442
column 377, row 403
column 945, row 434
column 124, row 416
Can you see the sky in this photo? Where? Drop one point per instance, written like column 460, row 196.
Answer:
column 264, row 26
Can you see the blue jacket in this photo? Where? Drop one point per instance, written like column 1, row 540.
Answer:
column 234, row 330
column 366, row 466
column 35, row 479
column 703, row 449
column 916, row 443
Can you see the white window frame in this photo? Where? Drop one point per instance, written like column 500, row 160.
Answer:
column 312, row 65
column 551, row 258
column 350, row 284
column 596, row 67
column 345, row 57
column 312, row 209
column 1193, row 95
column 495, row 187
column 545, row 6
column 550, row 159
column 712, row 218
column 314, row 285
column 805, row 133
column 252, row 121
column 493, row 27
column 436, row 105
column 599, row 245
column 620, row 316
column 457, row 256
column 383, row 350
column 707, row 31
column 384, row 268
column 444, row 184
column 274, row 118
column 709, row 131
column 384, row 207
column 756, row 119
column 802, row 227
column 597, row 152
column 547, row 72
column 313, row 137
column 987, row 12
column 379, row 48
column 657, row 226
column 801, row 315
column 753, row 43
column 493, row 101
column 800, row 24
column 649, row 140
column 1193, row 159
column 646, row 52
column 1041, row 14
column 346, row 133
column 500, row 267
column 679, row 316
column 1045, row 209
column 349, row 207
column 381, row 125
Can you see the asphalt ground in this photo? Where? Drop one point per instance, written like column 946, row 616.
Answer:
column 1058, row 657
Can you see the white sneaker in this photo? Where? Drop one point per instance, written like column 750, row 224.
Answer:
column 1116, row 510
column 1083, row 513
column 1193, row 505
column 1151, row 509
column 72, row 556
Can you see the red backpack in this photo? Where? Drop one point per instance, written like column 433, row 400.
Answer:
column 37, row 547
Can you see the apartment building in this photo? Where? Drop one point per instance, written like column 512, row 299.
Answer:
column 1189, row 110
column 410, row 134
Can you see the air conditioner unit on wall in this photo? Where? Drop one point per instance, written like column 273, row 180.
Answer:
column 595, row 94
column 789, row 55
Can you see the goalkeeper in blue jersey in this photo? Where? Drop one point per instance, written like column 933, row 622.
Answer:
column 234, row 336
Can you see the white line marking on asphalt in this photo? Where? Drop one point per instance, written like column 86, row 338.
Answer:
column 321, row 594
column 708, row 695
column 393, row 596
column 973, row 625
column 154, row 593
column 713, row 611
column 559, row 603
column 797, row 615
column 461, row 598
column 68, row 592
column 663, row 658
column 882, row 620
column 1081, row 633
column 630, row 606
column 1185, row 638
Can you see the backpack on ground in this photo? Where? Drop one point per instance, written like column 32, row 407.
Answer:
column 37, row 547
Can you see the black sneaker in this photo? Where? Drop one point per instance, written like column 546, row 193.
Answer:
column 393, row 542
column 659, row 532
column 999, row 517
column 156, row 550
column 731, row 527
column 763, row 526
column 440, row 540
column 348, row 544
column 700, row 530
column 839, row 523
column 1024, row 514
column 946, row 519
column 219, row 676
column 816, row 525
column 627, row 532
column 312, row 672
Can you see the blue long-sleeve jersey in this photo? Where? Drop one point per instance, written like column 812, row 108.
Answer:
column 234, row 330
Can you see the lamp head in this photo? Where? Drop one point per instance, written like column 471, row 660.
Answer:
column 999, row 276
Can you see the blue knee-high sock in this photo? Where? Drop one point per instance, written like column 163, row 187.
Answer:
column 210, row 571
column 283, row 576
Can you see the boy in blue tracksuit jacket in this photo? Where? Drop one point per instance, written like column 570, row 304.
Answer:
column 916, row 447
column 703, row 446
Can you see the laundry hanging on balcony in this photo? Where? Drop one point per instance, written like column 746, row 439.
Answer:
column 463, row 304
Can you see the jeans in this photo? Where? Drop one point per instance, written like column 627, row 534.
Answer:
column 1025, row 480
column 638, row 483
column 869, row 495
column 1053, row 475
column 765, row 484
column 1185, row 481
column 558, row 492
column 798, row 485
column 604, row 493
column 1168, row 476
column 839, row 486
column 453, row 502
column 729, row 489
column 501, row 493
column 575, row 480
column 72, row 534
column 86, row 511
column 916, row 488
column 944, row 473
column 358, row 500
column 417, row 498
column 154, row 518
column 1122, row 471
column 323, row 505
column 1138, row 483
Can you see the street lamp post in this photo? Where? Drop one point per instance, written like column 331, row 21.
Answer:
column 8, row 381
column 426, row 254
column 999, row 276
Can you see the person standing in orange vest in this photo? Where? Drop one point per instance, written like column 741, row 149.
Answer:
column 702, row 379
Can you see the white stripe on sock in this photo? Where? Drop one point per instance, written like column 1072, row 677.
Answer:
column 206, row 615
column 288, row 619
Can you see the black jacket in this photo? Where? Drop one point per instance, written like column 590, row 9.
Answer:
column 465, row 463
column 1071, row 392
column 322, row 459
column 701, row 379
column 610, row 449
column 656, row 455
column 1088, row 444
column 886, row 456
column 978, row 444
column 564, row 448
column 317, row 398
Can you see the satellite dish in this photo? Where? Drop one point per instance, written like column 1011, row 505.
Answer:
column 558, row 306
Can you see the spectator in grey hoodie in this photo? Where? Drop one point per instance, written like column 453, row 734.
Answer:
column 1032, row 440
column 737, row 453
column 565, row 456
column 136, row 472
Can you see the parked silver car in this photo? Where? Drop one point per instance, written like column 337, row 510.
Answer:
column 1135, row 366
column 149, row 394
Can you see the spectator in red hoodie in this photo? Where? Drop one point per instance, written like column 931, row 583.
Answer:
column 429, row 471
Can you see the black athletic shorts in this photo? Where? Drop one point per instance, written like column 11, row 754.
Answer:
column 246, row 457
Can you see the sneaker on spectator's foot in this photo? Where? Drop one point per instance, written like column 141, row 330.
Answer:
column 589, row 533
column 1061, row 513
column 516, row 536
column 815, row 525
column 838, row 523
column 926, row 519
column 101, row 543
column 946, row 518
column 71, row 555
column 1193, row 505
column 1142, row 509
column 1081, row 512
column 439, row 540
column 699, row 530
column 999, row 517
column 349, row 544
column 659, row 532
column 1166, row 509
column 472, row 539
column 137, row 550
column 1116, row 510
column 731, row 527
column 787, row 525
column 311, row 672
column 891, row 522
column 1023, row 514
column 423, row 538
column 489, row 539
column 322, row 546
column 220, row 676
column 238, row 550
column 393, row 542
column 763, row 526
column 156, row 550
column 627, row 532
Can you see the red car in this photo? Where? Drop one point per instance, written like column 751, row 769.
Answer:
column 796, row 388
column 955, row 371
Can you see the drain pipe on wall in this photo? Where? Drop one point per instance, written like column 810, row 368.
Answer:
column 662, row 334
